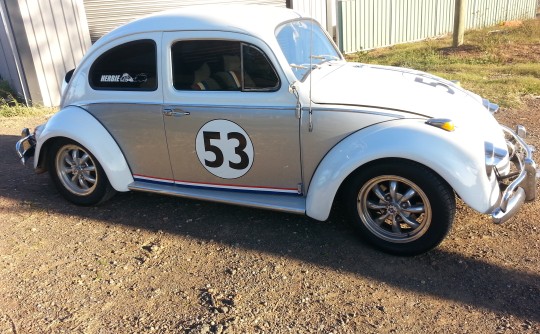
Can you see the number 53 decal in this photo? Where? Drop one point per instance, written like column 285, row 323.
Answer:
column 224, row 149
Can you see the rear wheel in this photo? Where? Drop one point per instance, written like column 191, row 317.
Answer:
column 400, row 206
column 77, row 174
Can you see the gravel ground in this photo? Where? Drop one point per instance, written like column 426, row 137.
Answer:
column 144, row 263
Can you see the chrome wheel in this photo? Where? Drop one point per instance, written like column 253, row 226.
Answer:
column 76, row 170
column 394, row 209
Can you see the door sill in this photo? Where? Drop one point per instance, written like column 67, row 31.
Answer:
column 286, row 203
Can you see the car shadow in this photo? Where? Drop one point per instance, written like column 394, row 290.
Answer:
column 332, row 244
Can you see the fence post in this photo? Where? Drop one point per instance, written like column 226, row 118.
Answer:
column 459, row 22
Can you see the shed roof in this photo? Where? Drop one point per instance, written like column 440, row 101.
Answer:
column 256, row 20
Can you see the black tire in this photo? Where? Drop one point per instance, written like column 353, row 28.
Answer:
column 77, row 174
column 400, row 206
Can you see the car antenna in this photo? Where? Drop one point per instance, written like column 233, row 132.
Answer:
column 310, row 66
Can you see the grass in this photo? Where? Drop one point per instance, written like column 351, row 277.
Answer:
column 499, row 63
column 11, row 106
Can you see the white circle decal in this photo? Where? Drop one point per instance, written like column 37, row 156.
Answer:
column 224, row 149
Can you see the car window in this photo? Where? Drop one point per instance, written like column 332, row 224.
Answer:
column 217, row 65
column 259, row 74
column 304, row 43
column 129, row 66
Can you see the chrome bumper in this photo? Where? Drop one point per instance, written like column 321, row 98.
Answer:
column 523, row 186
column 25, row 146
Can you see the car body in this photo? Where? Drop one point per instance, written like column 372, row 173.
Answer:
column 256, row 106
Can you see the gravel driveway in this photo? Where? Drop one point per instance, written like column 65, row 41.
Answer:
column 144, row 263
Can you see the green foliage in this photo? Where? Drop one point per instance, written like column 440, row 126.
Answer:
column 10, row 106
column 499, row 63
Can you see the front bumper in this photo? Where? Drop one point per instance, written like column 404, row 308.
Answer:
column 523, row 183
column 25, row 146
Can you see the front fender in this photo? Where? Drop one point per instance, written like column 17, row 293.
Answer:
column 458, row 157
column 77, row 124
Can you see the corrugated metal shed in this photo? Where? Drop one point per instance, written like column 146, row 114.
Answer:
column 105, row 15
column 368, row 24
column 10, row 67
column 44, row 43
column 315, row 8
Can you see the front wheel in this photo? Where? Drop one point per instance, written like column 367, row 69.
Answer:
column 400, row 207
column 77, row 174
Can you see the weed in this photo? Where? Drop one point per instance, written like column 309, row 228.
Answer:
column 11, row 106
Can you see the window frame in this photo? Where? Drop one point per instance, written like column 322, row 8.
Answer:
column 269, row 89
column 242, row 89
column 127, row 89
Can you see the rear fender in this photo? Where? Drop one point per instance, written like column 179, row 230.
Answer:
column 77, row 124
column 458, row 157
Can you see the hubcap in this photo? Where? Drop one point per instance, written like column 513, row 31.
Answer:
column 76, row 170
column 394, row 209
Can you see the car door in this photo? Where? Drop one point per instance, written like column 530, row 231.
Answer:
column 230, row 121
column 123, row 92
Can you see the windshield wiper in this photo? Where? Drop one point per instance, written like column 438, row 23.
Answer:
column 325, row 57
column 299, row 67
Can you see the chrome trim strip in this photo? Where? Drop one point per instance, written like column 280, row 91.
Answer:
column 220, row 187
column 206, row 106
column 359, row 111
column 265, row 107
column 285, row 203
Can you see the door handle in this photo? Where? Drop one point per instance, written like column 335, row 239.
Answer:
column 175, row 112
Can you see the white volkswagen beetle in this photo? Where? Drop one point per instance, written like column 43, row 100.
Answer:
column 256, row 106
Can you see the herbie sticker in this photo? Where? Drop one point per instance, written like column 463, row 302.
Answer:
column 224, row 149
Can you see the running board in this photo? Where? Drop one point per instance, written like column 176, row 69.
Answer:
column 285, row 203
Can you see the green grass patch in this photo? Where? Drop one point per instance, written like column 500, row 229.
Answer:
column 499, row 63
column 11, row 106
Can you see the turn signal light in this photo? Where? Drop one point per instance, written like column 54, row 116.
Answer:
column 442, row 123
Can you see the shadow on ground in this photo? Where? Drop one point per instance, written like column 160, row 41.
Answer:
column 331, row 244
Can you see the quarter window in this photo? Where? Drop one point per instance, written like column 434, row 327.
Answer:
column 130, row 66
column 218, row 65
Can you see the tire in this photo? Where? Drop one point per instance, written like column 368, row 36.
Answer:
column 77, row 174
column 400, row 207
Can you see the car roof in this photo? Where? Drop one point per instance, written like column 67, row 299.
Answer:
column 255, row 20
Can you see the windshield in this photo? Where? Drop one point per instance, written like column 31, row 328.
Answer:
column 294, row 39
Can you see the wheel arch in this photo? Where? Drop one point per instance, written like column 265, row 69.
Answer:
column 383, row 161
column 93, row 136
column 461, row 166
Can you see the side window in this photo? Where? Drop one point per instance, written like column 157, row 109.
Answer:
column 131, row 66
column 259, row 74
column 219, row 65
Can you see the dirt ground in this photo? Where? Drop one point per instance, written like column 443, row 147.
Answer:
column 143, row 263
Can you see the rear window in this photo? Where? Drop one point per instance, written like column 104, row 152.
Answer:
column 131, row 66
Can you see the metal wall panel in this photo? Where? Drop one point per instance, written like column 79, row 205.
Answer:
column 369, row 24
column 10, row 68
column 105, row 15
column 50, row 38
column 317, row 9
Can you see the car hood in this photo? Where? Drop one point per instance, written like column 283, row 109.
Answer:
column 418, row 93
